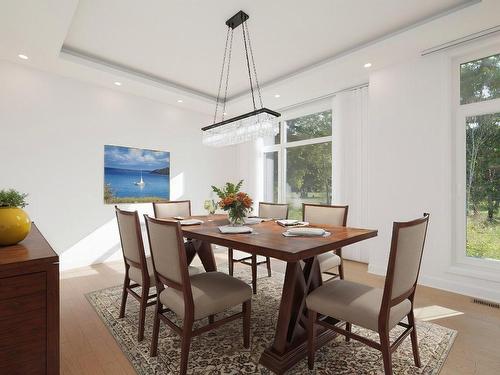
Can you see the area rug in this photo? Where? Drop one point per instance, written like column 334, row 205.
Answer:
column 221, row 351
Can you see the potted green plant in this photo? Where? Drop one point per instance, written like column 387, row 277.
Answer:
column 237, row 203
column 15, row 223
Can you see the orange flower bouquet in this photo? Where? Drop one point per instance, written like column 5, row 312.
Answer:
column 237, row 203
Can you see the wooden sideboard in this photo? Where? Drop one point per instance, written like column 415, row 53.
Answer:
column 29, row 307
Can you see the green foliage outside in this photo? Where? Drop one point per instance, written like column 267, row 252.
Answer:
column 483, row 237
column 483, row 186
column 12, row 198
column 309, row 167
column 480, row 80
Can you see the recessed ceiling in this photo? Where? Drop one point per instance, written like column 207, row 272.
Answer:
column 181, row 42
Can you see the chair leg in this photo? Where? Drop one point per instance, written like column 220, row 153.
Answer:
column 254, row 273
column 247, row 311
column 211, row 319
column 414, row 341
column 230, row 261
column 156, row 331
column 311, row 338
column 142, row 313
column 185, row 345
column 126, row 284
column 348, row 327
column 386, row 351
column 268, row 263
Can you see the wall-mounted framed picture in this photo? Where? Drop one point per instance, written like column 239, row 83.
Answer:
column 135, row 175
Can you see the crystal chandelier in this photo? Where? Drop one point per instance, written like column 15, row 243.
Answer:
column 260, row 122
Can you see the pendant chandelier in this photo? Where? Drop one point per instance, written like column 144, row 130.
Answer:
column 259, row 122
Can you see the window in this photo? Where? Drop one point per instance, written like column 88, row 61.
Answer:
column 478, row 160
column 271, row 176
column 298, row 162
column 483, row 185
column 480, row 79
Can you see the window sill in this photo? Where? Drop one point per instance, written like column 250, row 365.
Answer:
column 477, row 272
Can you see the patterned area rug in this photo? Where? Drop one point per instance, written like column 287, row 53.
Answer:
column 221, row 351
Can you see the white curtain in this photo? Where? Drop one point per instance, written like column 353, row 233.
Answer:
column 350, row 122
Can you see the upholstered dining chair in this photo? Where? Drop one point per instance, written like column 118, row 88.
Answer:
column 165, row 210
column 190, row 297
column 318, row 214
column 266, row 210
column 138, row 267
column 379, row 310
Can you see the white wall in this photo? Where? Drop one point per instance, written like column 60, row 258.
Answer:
column 52, row 134
column 410, row 167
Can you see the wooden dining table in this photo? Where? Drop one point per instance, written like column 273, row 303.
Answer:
column 302, row 274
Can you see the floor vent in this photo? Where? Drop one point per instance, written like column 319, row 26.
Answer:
column 486, row 303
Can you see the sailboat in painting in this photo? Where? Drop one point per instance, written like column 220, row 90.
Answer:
column 140, row 183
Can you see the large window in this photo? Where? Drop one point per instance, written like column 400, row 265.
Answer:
column 483, row 185
column 478, row 159
column 298, row 162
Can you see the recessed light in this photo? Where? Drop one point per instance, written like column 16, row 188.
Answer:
column 21, row 56
column 179, row 100
column 118, row 83
column 277, row 95
column 367, row 65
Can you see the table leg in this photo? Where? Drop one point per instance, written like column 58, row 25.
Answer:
column 190, row 251
column 204, row 251
column 290, row 341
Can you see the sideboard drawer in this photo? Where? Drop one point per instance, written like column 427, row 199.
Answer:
column 22, row 285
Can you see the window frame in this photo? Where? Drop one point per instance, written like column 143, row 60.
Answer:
column 461, row 263
column 281, row 148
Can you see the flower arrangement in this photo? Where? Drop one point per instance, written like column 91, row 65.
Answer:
column 237, row 203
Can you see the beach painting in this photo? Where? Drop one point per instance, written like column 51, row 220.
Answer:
column 135, row 175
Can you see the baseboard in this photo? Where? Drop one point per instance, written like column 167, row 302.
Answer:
column 468, row 289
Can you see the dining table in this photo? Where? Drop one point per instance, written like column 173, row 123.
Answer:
column 302, row 274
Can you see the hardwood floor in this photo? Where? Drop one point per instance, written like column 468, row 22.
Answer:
column 88, row 348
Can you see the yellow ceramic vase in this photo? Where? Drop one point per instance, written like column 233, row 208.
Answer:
column 15, row 225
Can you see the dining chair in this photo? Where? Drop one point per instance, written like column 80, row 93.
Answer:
column 266, row 210
column 318, row 214
column 190, row 297
column 138, row 268
column 376, row 309
column 165, row 210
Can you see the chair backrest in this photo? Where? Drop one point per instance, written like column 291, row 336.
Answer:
column 167, row 252
column 407, row 246
column 325, row 214
column 273, row 210
column 131, row 238
column 170, row 209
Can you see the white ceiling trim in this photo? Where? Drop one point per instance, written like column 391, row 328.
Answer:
column 74, row 55
column 99, row 63
column 464, row 40
column 358, row 47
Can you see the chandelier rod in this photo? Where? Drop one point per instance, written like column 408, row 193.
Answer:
column 248, row 65
column 253, row 63
column 221, row 76
column 227, row 76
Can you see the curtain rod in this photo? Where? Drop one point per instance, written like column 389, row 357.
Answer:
column 463, row 40
column 326, row 96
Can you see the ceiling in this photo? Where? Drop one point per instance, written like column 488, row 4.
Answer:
column 181, row 42
column 172, row 50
